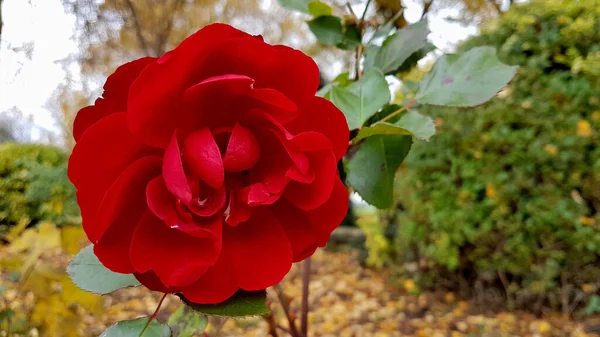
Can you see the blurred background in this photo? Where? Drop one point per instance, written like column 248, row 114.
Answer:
column 496, row 225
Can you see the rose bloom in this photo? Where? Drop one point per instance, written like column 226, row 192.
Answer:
column 212, row 168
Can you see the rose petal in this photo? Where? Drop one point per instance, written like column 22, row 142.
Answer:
column 202, row 156
column 218, row 283
column 116, row 88
column 210, row 102
column 114, row 98
column 330, row 215
column 100, row 156
column 238, row 210
column 284, row 69
column 177, row 258
column 152, row 282
column 297, row 227
column 242, row 150
column 262, row 254
column 323, row 117
column 89, row 115
column 173, row 171
column 310, row 196
column 120, row 211
column 163, row 205
column 153, row 107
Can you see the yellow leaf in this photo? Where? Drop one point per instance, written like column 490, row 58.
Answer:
column 551, row 149
column 71, row 295
column 596, row 115
column 584, row 129
column 586, row 221
column 17, row 230
column 49, row 236
column 72, row 238
column 409, row 285
column 588, row 288
column 490, row 191
column 24, row 242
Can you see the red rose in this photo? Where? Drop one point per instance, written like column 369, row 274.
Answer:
column 212, row 168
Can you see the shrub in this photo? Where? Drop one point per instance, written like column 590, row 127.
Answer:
column 508, row 194
column 34, row 186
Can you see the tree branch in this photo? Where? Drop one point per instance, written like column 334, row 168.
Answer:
column 138, row 27
column 164, row 37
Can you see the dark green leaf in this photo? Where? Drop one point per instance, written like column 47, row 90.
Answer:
column 360, row 100
column 297, row 5
column 135, row 327
column 242, row 304
column 328, row 29
column 371, row 170
column 381, row 128
column 89, row 274
column 318, row 8
column 185, row 322
column 399, row 46
column 410, row 123
column 465, row 80
column 352, row 38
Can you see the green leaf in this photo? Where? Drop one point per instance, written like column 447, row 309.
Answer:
column 465, row 80
column 135, row 327
column 185, row 322
column 385, row 30
column 318, row 8
column 328, row 29
column 381, row 128
column 371, row 52
column 352, row 37
column 297, row 5
column 361, row 100
column 398, row 47
column 422, row 127
column 241, row 304
column 371, row 170
column 88, row 273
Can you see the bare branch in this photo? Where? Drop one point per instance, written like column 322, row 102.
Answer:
column 138, row 27
column 161, row 41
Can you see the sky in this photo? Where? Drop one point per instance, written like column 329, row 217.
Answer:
column 28, row 83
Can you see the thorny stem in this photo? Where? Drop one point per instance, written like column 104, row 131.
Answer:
column 286, row 308
column 272, row 324
column 397, row 112
column 153, row 316
column 305, row 288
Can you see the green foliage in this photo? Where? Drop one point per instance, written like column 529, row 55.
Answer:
column 241, row 304
column 34, row 186
column 362, row 99
column 399, row 46
column 89, row 274
column 185, row 322
column 371, row 170
column 465, row 80
column 134, row 328
column 512, row 188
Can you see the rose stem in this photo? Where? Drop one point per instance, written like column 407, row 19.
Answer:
column 395, row 113
column 153, row 314
column 286, row 308
column 272, row 325
column 305, row 288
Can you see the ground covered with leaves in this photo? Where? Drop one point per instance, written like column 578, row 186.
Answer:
column 347, row 300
